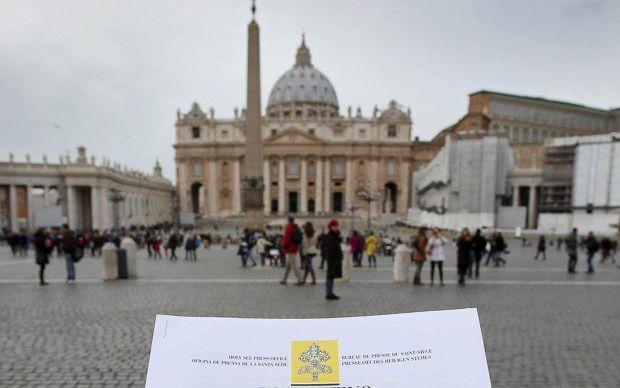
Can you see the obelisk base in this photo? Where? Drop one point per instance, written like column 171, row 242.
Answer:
column 253, row 208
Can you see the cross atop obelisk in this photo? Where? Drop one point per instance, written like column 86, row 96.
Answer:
column 252, row 168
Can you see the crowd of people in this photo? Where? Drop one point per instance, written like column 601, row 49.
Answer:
column 297, row 247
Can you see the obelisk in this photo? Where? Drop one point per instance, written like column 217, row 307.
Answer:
column 253, row 165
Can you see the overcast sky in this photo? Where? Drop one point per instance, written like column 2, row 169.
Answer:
column 110, row 75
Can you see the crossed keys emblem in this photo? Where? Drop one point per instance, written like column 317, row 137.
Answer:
column 314, row 357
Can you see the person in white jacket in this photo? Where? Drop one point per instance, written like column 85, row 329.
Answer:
column 436, row 252
column 262, row 245
column 309, row 250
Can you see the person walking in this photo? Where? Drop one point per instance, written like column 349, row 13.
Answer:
column 371, row 249
column 291, row 241
column 333, row 256
column 173, row 240
column 606, row 249
column 308, row 250
column 499, row 247
column 43, row 246
column 571, row 249
column 478, row 246
column 436, row 251
column 419, row 255
column 592, row 246
column 250, row 240
column 69, row 246
column 541, row 248
column 488, row 248
column 464, row 253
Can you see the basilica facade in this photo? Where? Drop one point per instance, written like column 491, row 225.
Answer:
column 316, row 160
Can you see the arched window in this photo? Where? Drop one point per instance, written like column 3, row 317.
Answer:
column 195, row 132
column 292, row 167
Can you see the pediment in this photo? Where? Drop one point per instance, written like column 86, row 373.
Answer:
column 293, row 136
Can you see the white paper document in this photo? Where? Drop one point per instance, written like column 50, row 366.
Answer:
column 440, row 349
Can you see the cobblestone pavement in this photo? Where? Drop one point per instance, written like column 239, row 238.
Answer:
column 541, row 327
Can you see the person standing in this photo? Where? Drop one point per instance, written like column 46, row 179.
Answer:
column 464, row 253
column 291, row 241
column 592, row 246
column 320, row 246
column 156, row 246
column 371, row 249
column 541, row 248
column 355, row 244
column 43, row 247
column 69, row 248
column 308, row 250
column 262, row 245
column 571, row 248
column 333, row 257
column 436, row 251
column 478, row 246
column 419, row 255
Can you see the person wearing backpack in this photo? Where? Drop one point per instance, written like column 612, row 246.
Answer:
column 69, row 248
column 592, row 246
column 291, row 241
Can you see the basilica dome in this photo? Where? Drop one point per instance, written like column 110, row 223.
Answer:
column 303, row 84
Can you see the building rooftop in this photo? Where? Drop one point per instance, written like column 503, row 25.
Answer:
column 542, row 100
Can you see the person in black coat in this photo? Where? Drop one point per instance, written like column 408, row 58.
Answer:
column 43, row 246
column 333, row 257
column 478, row 246
column 464, row 253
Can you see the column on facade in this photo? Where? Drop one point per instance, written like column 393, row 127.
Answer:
column 404, row 187
column 374, row 185
column 281, row 188
column 349, row 200
column 266, row 188
column 183, row 183
column 105, row 216
column 531, row 209
column 71, row 206
column 29, row 209
column 318, row 187
column 95, row 207
column 46, row 195
column 212, row 188
column 304, row 185
column 328, row 183
column 237, row 186
column 515, row 196
column 13, row 207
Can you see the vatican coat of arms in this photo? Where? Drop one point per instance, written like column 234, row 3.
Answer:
column 314, row 359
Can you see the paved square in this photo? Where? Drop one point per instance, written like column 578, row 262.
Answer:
column 541, row 327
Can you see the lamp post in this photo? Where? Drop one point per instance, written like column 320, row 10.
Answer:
column 369, row 195
column 115, row 196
